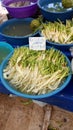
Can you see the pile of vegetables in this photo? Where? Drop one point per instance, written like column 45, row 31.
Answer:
column 58, row 32
column 67, row 3
column 20, row 4
column 36, row 72
column 36, row 23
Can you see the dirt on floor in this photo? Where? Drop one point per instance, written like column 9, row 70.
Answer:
column 22, row 114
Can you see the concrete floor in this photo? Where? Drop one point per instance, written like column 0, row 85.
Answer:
column 20, row 114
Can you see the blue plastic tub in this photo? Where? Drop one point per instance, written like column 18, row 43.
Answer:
column 37, row 97
column 16, row 40
column 65, row 48
column 5, row 49
column 9, row 48
column 54, row 16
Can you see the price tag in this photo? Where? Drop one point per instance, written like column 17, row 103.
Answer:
column 37, row 43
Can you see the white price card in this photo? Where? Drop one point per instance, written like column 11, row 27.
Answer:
column 37, row 43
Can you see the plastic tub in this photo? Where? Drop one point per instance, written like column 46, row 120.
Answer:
column 54, row 16
column 63, row 47
column 37, row 97
column 5, row 49
column 8, row 28
column 23, row 11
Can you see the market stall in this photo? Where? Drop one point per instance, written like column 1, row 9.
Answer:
column 63, row 98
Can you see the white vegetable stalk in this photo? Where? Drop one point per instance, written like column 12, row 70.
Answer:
column 36, row 77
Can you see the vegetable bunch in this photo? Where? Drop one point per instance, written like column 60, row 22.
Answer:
column 67, row 3
column 58, row 32
column 36, row 72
